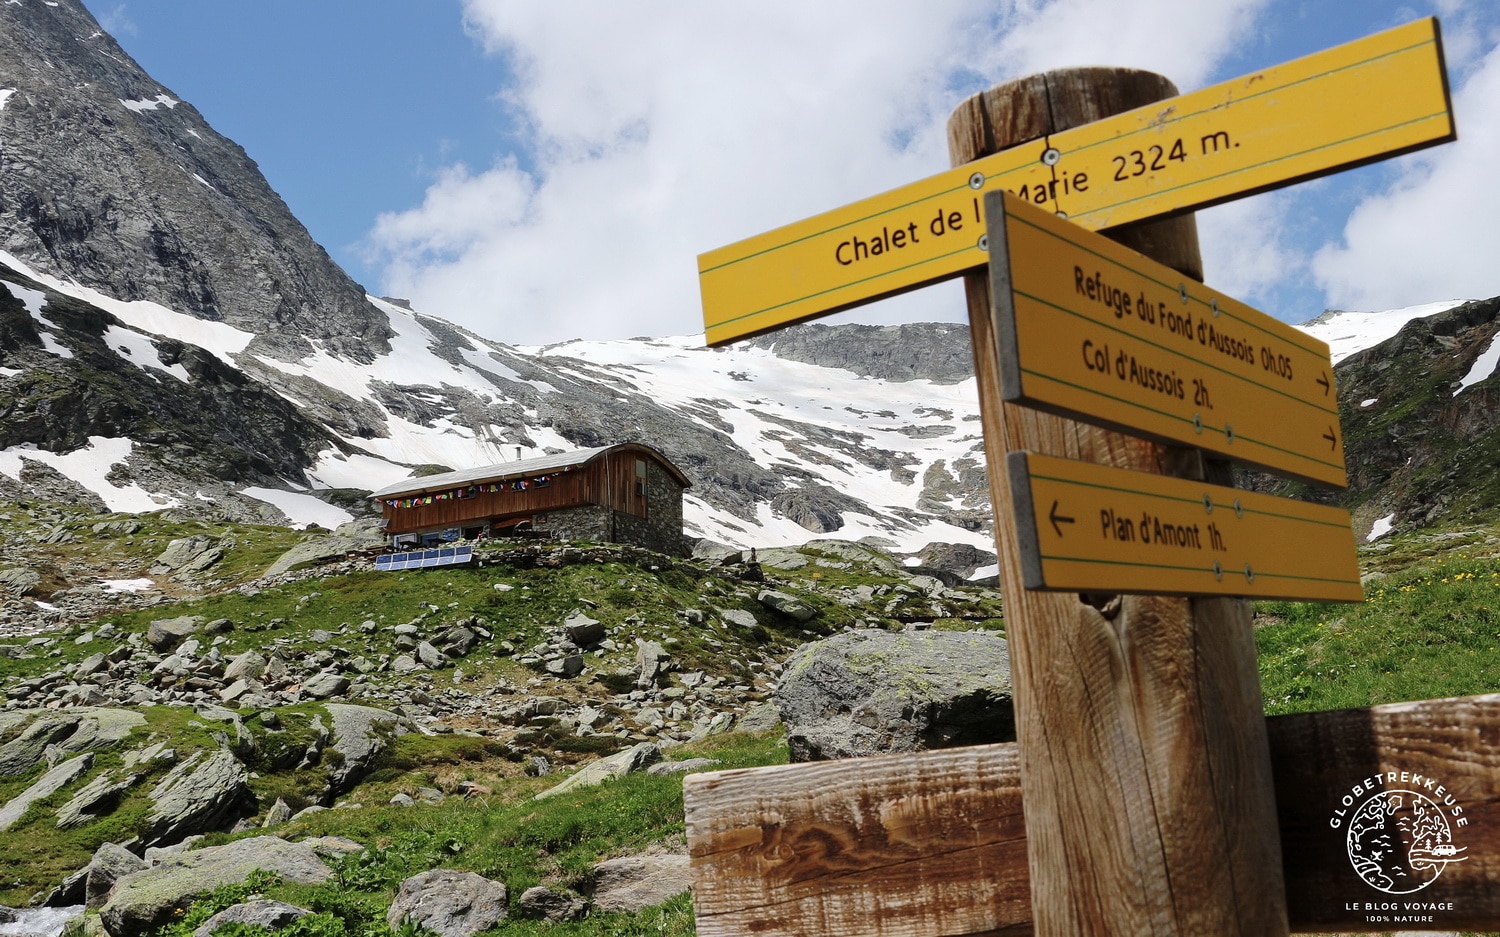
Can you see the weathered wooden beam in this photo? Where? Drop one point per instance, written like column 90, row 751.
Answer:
column 933, row 844
column 1143, row 750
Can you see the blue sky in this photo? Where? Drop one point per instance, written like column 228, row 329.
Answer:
column 539, row 172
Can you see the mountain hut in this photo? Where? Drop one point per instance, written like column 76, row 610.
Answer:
column 626, row 493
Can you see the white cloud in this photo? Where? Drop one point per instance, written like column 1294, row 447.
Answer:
column 657, row 131
column 1431, row 234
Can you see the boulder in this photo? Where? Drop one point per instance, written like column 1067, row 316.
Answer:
column 456, row 641
column 631, row 760
column 325, row 685
column 632, row 883
column 189, row 554
column 165, row 634
column 430, row 657
column 313, row 552
column 540, row 903
column 277, row 814
column 146, row 899
column 449, row 903
column 359, row 737
column 649, row 657
column 787, row 604
column 247, row 666
column 109, row 864
column 567, row 666
column 45, row 786
column 198, row 796
column 19, row 580
column 272, row 915
column 873, row 692
column 583, row 630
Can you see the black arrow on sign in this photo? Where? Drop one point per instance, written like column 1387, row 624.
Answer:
column 1057, row 518
column 1333, row 440
column 1326, row 385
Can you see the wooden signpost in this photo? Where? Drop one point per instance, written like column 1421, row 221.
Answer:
column 1370, row 99
column 1094, row 331
column 1144, row 769
column 1089, row 528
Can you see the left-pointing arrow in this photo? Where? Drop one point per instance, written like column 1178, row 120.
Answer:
column 1057, row 519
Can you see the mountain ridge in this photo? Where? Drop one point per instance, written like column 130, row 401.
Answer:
column 170, row 336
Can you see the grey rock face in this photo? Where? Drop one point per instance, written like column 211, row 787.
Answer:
column 934, row 351
column 45, row 786
column 631, row 883
column 19, row 581
column 24, row 752
column 453, row 904
column 109, row 864
column 164, row 634
column 93, row 800
column 359, row 734
column 545, row 904
column 272, row 915
column 787, row 604
column 313, row 552
column 212, row 239
column 636, row 758
column 872, row 692
column 143, row 900
column 198, row 796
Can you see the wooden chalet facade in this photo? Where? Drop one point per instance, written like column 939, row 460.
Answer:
column 627, row 493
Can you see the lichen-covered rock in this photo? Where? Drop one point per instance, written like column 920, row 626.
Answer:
column 449, row 903
column 540, row 903
column 872, row 692
column 631, row 883
column 48, row 784
column 110, row 863
column 631, row 760
column 198, row 796
column 272, row 915
column 164, row 634
column 359, row 737
column 787, row 604
column 143, row 900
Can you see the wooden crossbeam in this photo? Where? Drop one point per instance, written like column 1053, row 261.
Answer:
column 934, row 844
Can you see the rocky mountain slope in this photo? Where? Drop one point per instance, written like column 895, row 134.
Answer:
column 110, row 181
column 171, row 337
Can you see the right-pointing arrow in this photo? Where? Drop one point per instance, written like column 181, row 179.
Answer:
column 1333, row 440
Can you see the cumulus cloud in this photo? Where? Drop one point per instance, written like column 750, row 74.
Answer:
column 655, row 131
column 1431, row 234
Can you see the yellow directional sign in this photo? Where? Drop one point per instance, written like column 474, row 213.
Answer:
column 1091, row 528
column 1094, row 331
column 1377, row 97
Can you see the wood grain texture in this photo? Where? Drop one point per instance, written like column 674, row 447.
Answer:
column 933, row 844
column 1144, row 758
column 1450, row 753
column 882, row 846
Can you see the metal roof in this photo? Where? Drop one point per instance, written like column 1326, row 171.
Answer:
column 508, row 470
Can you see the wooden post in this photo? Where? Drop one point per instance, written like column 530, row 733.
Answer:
column 1148, row 794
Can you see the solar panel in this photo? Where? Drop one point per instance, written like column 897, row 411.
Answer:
column 425, row 559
